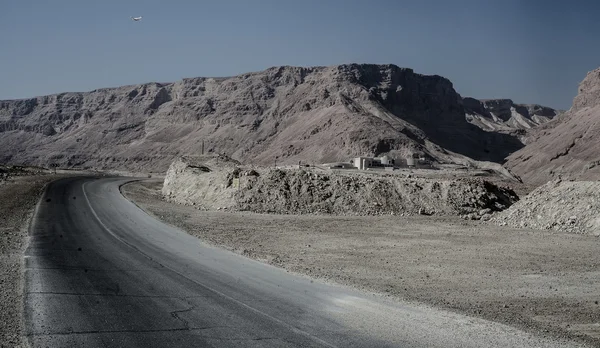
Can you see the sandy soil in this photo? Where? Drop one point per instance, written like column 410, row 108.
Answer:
column 542, row 281
column 18, row 197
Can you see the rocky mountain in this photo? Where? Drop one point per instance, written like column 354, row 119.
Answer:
column 503, row 115
column 568, row 147
column 288, row 114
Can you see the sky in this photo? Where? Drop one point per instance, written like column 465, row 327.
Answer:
column 531, row 51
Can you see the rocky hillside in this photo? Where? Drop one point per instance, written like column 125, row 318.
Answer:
column 318, row 114
column 568, row 147
column 503, row 115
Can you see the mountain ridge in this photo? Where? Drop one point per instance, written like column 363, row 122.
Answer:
column 504, row 115
column 286, row 113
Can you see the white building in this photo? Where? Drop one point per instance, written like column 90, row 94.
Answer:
column 385, row 161
column 364, row 163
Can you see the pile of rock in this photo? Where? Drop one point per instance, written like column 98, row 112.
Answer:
column 222, row 185
column 201, row 181
column 314, row 192
column 483, row 214
column 8, row 172
column 566, row 206
column 4, row 175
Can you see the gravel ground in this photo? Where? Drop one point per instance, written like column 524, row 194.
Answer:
column 545, row 282
column 18, row 197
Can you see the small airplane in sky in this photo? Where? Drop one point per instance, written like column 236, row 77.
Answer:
column 136, row 19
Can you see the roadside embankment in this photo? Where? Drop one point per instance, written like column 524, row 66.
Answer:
column 218, row 183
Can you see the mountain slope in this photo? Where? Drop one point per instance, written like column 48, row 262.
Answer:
column 318, row 114
column 568, row 146
column 504, row 115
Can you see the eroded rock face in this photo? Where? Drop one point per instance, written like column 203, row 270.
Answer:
column 288, row 114
column 589, row 92
column 504, row 115
column 201, row 180
column 568, row 147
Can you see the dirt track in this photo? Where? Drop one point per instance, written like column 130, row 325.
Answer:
column 543, row 281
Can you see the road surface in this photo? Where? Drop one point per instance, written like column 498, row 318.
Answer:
column 100, row 272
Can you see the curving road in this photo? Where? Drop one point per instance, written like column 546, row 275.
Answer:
column 100, row 272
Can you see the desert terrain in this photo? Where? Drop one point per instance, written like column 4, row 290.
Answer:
column 542, row 281
column 495, row 217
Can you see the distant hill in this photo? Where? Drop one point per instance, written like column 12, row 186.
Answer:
column 503, row 115
column 316, row 114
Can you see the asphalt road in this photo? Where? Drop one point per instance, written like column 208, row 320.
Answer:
column 100, row 272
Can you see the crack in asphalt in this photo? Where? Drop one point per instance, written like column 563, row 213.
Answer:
column 281, row 322
column 241, row 339
column 76, row 250
column 113, row 295
column 90, row 332
column 175, row 314
column 90, row 269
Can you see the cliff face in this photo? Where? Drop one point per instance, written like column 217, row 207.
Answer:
column 569, row 146
column 318, row 114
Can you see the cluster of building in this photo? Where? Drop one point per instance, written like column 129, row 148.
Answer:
column 383, row 162
column 364, row 163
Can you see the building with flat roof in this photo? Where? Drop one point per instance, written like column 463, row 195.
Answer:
column 364, row 163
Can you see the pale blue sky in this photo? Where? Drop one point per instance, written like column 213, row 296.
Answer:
column 532, row 51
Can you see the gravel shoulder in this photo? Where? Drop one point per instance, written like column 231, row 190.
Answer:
column 545, row 282
column 18, row 197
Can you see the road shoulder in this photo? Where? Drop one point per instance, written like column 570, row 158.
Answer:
column 18, row 198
